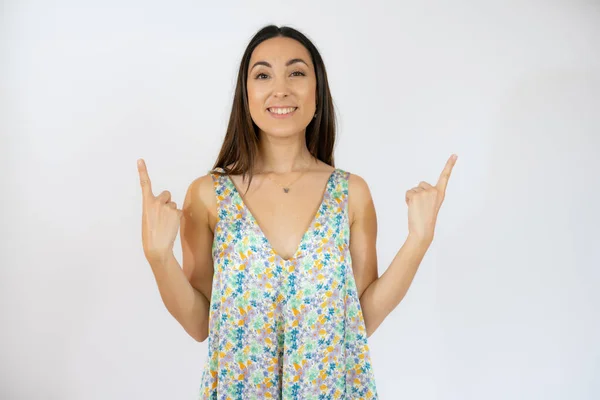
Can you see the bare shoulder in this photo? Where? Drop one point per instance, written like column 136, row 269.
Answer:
column 358, row 189
column 359, row 196
column 200, row 203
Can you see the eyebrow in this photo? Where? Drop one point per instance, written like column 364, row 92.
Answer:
column 287, row 64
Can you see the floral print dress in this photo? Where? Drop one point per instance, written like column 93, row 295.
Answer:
column 285, row 328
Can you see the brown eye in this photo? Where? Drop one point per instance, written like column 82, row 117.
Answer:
column 299, row 72
column 259, row 75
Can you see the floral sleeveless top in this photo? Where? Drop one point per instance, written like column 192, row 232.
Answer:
column 285, row 328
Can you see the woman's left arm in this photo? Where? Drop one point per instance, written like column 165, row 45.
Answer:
column 380, row 295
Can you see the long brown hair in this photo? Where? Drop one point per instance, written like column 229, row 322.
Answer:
column 240, row 146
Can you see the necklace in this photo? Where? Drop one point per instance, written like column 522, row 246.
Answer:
column 286, row 188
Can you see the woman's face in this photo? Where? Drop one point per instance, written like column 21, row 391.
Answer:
column 281, row 87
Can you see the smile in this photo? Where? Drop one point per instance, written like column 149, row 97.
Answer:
column 282, row 112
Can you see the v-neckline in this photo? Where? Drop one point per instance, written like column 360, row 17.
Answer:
column 307, row 231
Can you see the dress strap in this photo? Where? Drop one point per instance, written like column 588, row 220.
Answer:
column 344, row 177
column 222, row 191
column 335, row 212
column 340, row 185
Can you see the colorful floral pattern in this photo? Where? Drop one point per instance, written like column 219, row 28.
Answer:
column 285, row 329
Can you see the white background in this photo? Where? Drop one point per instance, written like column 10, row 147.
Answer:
column 505, row 304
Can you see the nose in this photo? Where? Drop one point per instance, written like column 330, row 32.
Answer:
column 280, row 96
column 281, row 90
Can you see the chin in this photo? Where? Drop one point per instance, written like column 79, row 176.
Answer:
column 280, row 131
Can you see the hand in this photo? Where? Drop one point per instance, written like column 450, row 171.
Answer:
column 424, row 202
column 160, row 219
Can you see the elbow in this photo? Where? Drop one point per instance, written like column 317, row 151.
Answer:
column 199, row 335
column 200, row 338
column 198, row 329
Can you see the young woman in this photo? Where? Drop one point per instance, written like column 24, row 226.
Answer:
column 279, row 262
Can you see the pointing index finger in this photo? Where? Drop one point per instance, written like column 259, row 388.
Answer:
column 445, row 175
column 144, row 179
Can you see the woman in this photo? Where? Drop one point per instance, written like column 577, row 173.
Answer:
column 279, row 262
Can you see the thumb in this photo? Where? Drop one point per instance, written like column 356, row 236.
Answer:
column 173, row 205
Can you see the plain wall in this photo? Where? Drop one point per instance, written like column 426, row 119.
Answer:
column 505, row 304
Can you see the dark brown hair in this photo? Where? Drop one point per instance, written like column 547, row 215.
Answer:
column 238, row 152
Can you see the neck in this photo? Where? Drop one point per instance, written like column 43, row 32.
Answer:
column 283, row 155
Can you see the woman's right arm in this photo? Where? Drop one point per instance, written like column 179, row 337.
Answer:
column 199, row 209
column 186, row 291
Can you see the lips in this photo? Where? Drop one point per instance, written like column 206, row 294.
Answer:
column 282, row 110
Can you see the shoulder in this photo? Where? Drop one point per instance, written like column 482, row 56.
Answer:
column 358, row 188
column 360, row 200
column 200, row 203
column 357, row 184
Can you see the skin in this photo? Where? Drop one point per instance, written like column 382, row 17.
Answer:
column 277, row 78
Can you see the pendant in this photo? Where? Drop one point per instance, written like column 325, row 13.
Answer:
column 285, row 190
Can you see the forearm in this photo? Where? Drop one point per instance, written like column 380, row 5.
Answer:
column 186, row 304
column 383, row 295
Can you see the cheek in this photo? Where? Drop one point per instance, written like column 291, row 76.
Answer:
column 308, row 93
column 256, row 97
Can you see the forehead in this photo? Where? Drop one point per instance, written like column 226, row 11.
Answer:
column 279, row 50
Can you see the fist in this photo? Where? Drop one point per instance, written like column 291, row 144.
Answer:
column 160, row 219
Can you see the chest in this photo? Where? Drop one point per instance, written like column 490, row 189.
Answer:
column 286, row 219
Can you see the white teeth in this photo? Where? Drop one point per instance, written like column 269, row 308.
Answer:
column 281, row 110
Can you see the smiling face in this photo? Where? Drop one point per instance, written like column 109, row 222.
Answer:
column 281, row 87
